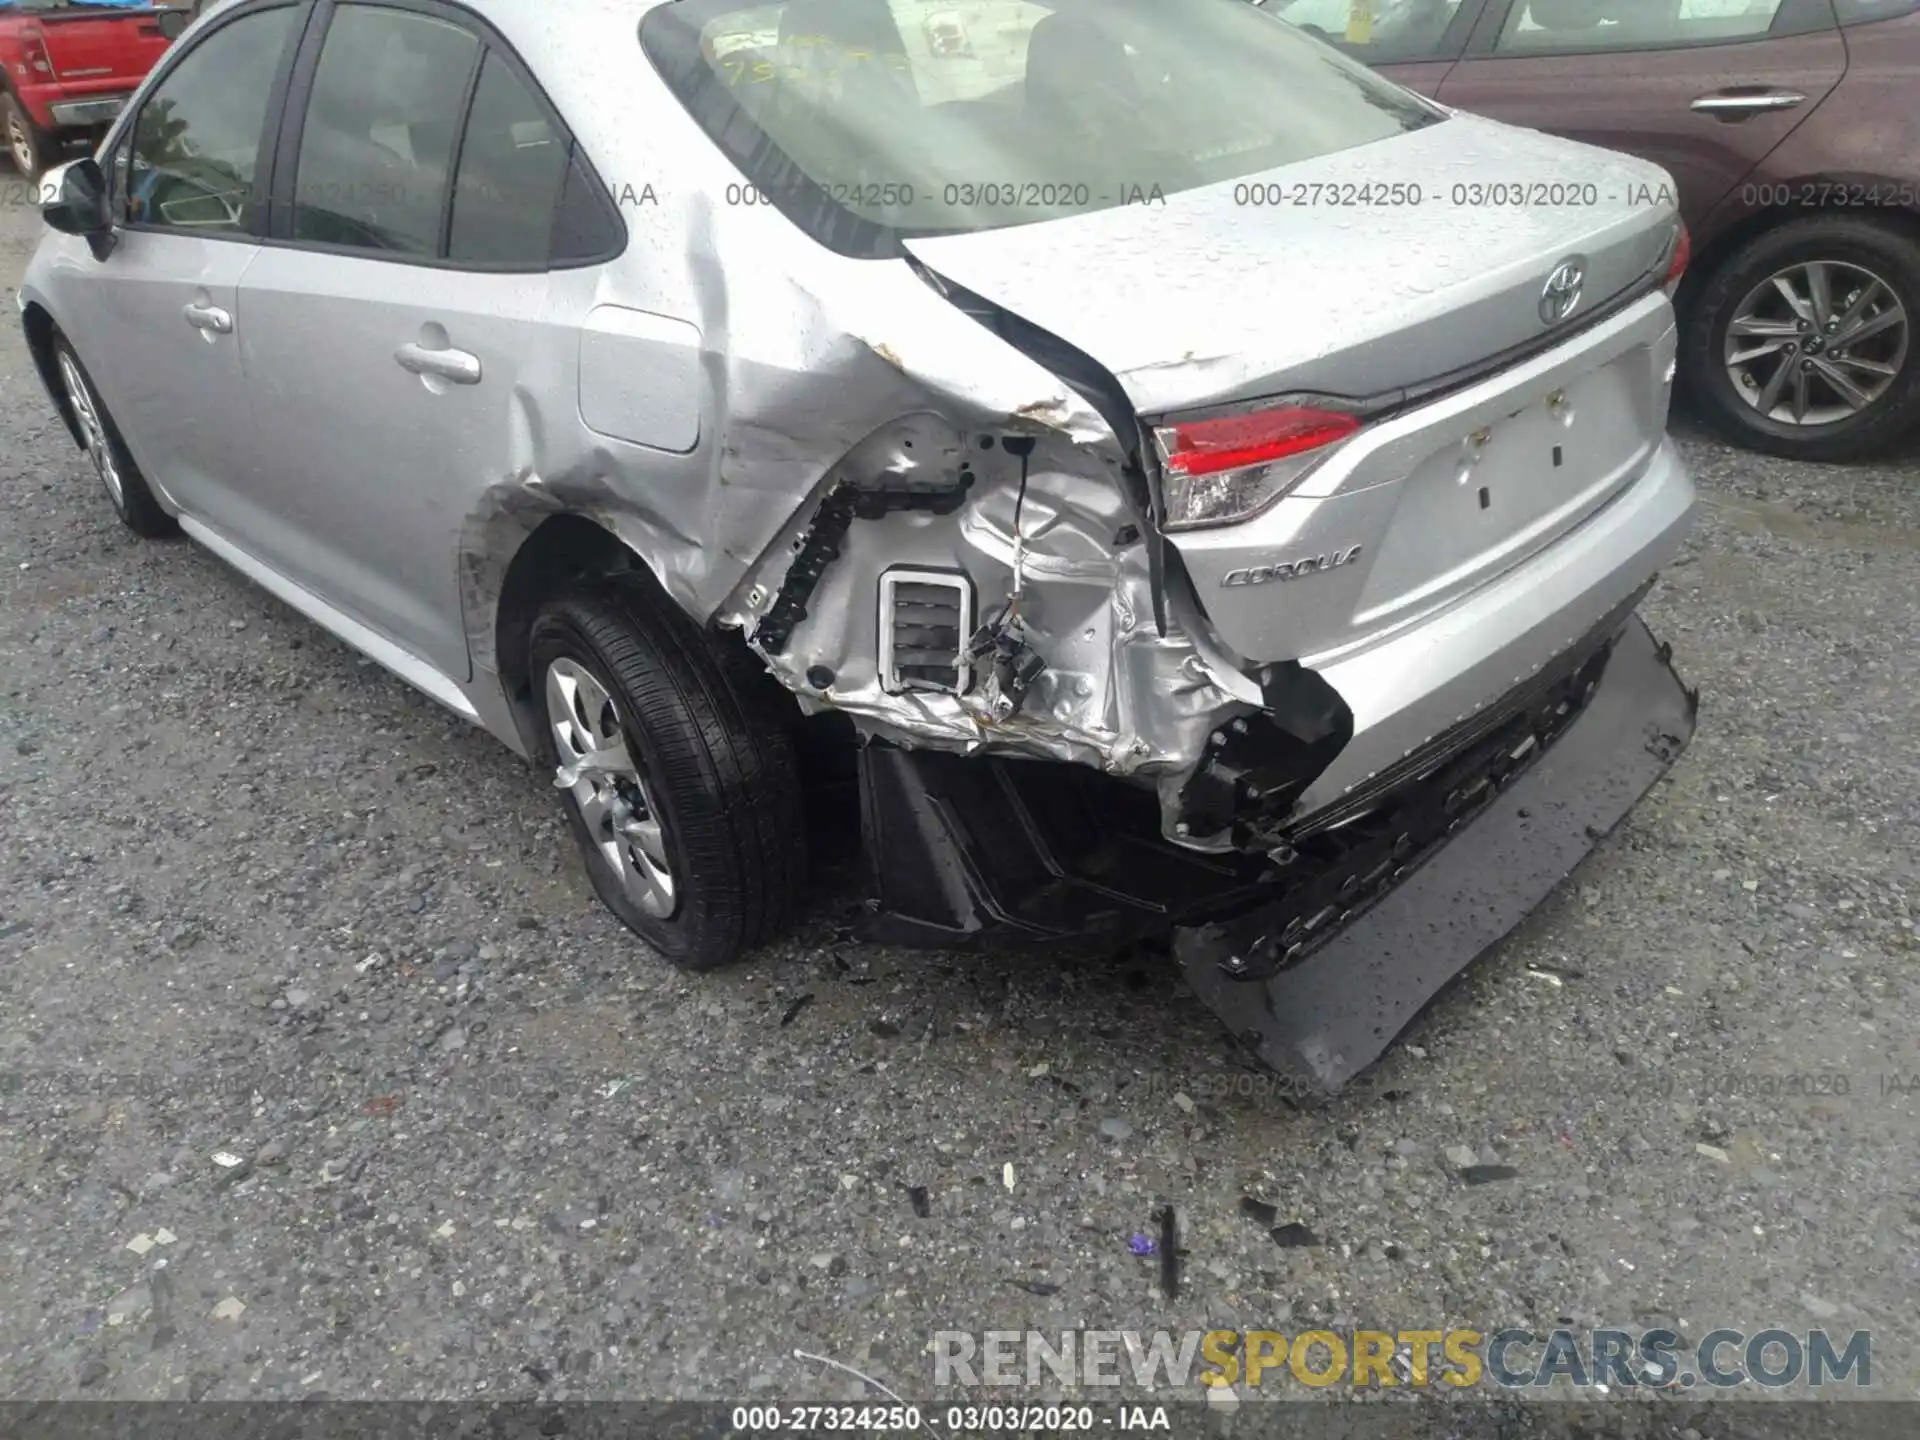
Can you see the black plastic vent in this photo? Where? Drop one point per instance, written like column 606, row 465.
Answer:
column 926, row 620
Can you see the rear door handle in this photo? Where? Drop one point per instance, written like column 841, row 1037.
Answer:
column 456, row 366
column 210, row 318
column 1739, row 104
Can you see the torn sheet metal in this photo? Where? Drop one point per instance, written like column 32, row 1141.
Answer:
column 796, row 364
column 1105, row 689
column 801, row 373
column 1324, row 1020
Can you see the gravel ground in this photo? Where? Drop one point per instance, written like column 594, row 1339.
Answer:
column 257, row 899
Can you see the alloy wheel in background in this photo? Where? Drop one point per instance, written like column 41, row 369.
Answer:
column 1817, row 342
column 1798, row 341
column 24, row 144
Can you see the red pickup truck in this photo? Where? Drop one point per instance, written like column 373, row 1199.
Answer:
column 67, row 66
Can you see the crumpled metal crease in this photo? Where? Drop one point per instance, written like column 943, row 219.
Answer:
column 800, row 364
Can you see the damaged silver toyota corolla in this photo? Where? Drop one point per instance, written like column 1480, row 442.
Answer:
column 1108, row 420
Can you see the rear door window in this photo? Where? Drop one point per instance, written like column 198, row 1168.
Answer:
column 425, row 141
column 376, row 151
column 512, row 164
column 1380, row 32
column 1562, row 26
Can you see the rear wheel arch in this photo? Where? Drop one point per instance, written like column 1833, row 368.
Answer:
column 1709, row 257
column 561, row 550
column 564, row 550
column 714, row 733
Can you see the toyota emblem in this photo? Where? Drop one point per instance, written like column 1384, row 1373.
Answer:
column 1562, row 291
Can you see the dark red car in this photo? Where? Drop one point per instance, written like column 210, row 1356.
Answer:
column 67, row 66
column 1792, row 131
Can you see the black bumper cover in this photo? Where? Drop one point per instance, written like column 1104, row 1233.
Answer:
column 1322, row 1021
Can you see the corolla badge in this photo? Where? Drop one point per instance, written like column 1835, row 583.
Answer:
column 1562, row 290
column 1291, row 569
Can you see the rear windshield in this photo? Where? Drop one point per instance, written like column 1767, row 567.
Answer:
column 869, row 120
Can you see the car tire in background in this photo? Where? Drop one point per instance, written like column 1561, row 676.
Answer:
column 1831, row 300
column 29, row 147
column 133, row 499
column 693, row 829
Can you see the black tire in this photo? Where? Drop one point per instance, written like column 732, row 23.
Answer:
column 1885, row 250
column 133, row 499
column 29, row 147
column 717, row 761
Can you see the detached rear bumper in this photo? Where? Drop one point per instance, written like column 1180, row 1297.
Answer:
column 1322, row 1018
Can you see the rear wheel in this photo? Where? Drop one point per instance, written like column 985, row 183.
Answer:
column 126, row 487
column 1803, row 343
column 28, row 146
column 680, row 781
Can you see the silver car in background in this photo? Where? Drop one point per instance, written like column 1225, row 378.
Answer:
column 1102, row 435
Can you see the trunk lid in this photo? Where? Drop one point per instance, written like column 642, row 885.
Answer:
column 98, row 43
column 1289, row 280
column 1211, row 302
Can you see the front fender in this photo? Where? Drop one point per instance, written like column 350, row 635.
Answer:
column 36, row 319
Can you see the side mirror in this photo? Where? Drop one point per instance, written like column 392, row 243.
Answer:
column 73, row 200
column 172, row 23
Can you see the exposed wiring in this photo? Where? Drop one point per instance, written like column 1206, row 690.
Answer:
column 1021, row 445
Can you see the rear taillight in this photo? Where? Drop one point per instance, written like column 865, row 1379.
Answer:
column 1678, row 257
column 1232, row 467
column 33, row 50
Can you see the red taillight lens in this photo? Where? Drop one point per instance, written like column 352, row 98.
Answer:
column 1206, row 447
column 34, row 49
column 1682, row 253
column 1215, row 472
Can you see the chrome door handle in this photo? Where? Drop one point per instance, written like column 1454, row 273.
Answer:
column 1737, row 106
column 454, row 365
column 209, row 317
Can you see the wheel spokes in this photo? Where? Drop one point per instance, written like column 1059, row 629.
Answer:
column 1865, row 329
column 1792, row 346
column 1754, row 325
column 1819, row 292
column 94, row 433
column 1776, row 384
column 1758, row 352
column 1850, row 392
column 1792, row 296
column 598, row 769
column 1861, row 304
column 1871, row 367
column 644, row 833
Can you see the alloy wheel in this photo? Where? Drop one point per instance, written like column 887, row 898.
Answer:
column 1817, row 342
column 600, row 771
column 20, row 142
column 80, row 396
